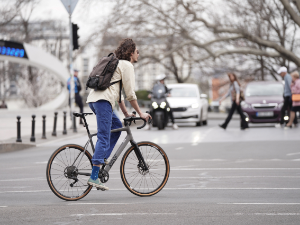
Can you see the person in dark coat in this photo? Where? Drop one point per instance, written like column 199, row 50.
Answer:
column 234, row 93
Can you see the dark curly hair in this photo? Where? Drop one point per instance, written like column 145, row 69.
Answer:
column 126, row 47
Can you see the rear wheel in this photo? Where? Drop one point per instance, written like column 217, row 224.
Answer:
column 140, row 182
column 68, row 181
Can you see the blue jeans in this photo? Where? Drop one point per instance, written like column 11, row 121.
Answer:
column 106, row 121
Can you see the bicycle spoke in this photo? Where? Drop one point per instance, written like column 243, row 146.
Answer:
column 141, row 181
column 61, row 167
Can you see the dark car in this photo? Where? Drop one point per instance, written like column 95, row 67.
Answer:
column 263, row 102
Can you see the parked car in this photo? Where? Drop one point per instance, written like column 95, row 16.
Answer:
column 188, row 104
column 263, row 102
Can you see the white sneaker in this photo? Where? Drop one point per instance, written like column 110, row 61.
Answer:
column 175, row 127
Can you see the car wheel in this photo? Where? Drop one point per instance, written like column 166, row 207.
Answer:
column 204, row 122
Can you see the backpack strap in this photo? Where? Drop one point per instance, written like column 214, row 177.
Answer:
column 120, row 93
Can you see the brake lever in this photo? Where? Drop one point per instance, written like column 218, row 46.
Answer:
column 149, row 120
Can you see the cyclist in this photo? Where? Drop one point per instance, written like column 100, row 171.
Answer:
column 102, row 104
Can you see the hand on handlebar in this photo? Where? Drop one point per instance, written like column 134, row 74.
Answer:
column 145, row 116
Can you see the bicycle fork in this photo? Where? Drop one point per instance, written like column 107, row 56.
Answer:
column 139, row 155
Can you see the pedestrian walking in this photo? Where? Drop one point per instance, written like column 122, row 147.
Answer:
column 3, row 105
column 78, row 99
column 287, row 94
column 235, row 95
column 295, row 88
column 102, row 103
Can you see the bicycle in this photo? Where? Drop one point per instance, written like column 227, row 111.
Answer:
column 144, row 167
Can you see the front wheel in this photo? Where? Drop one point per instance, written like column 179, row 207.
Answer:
column 159, row 117
column 141, row 182
column 68, row 180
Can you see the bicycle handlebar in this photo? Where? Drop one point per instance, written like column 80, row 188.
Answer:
column 130, row 119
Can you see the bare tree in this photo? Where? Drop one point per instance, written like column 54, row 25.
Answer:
column 9, row 10
column 49, row 35
column 251, row 36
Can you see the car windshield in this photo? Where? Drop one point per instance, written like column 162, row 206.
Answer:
column 183, row 92
column 264, row 90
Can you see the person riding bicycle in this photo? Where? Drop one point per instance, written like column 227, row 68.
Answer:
column 102, row 103
column 161, row 79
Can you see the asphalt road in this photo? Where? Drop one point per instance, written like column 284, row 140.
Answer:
column 217, row 177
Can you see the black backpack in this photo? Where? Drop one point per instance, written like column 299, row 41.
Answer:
column 102, row 73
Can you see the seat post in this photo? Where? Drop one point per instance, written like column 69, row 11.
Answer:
column 86, row 125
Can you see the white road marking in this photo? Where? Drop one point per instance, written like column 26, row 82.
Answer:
column 200, row 188
column 259, row 203
column 23, row 179
column 44, row 162
column 268, row 214
column 230, row 177
column 222, row 169
column 123, row 214
column 208, row 160
column 295, row 153
column 200, row 177
column 101, row 203
column 3, row 206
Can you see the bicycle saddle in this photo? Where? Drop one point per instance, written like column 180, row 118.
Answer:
column 81, row 114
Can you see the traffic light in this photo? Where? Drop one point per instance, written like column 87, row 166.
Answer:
column 75, row 29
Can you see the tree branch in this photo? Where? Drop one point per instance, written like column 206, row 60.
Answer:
column 291, row 11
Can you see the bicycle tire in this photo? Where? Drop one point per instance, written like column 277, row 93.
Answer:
column 129, row 169
column 63, row 155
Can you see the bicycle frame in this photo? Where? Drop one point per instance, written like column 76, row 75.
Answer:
column 128, row 138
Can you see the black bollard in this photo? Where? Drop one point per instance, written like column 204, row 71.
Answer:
column 44, row 127
column 19, row 129
column 54, row 124
column 65, row 123
column 32, row 138
column 74, row 124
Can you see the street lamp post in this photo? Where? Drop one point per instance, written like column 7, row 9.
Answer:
column 70, row 6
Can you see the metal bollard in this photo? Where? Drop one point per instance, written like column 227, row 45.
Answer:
column 74, row 124
column 44, row 127
column 65, row 123
column 19, row 129
column 54, row 124
column 32, row 138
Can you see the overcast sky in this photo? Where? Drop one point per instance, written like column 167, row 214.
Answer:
column 86, row 16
